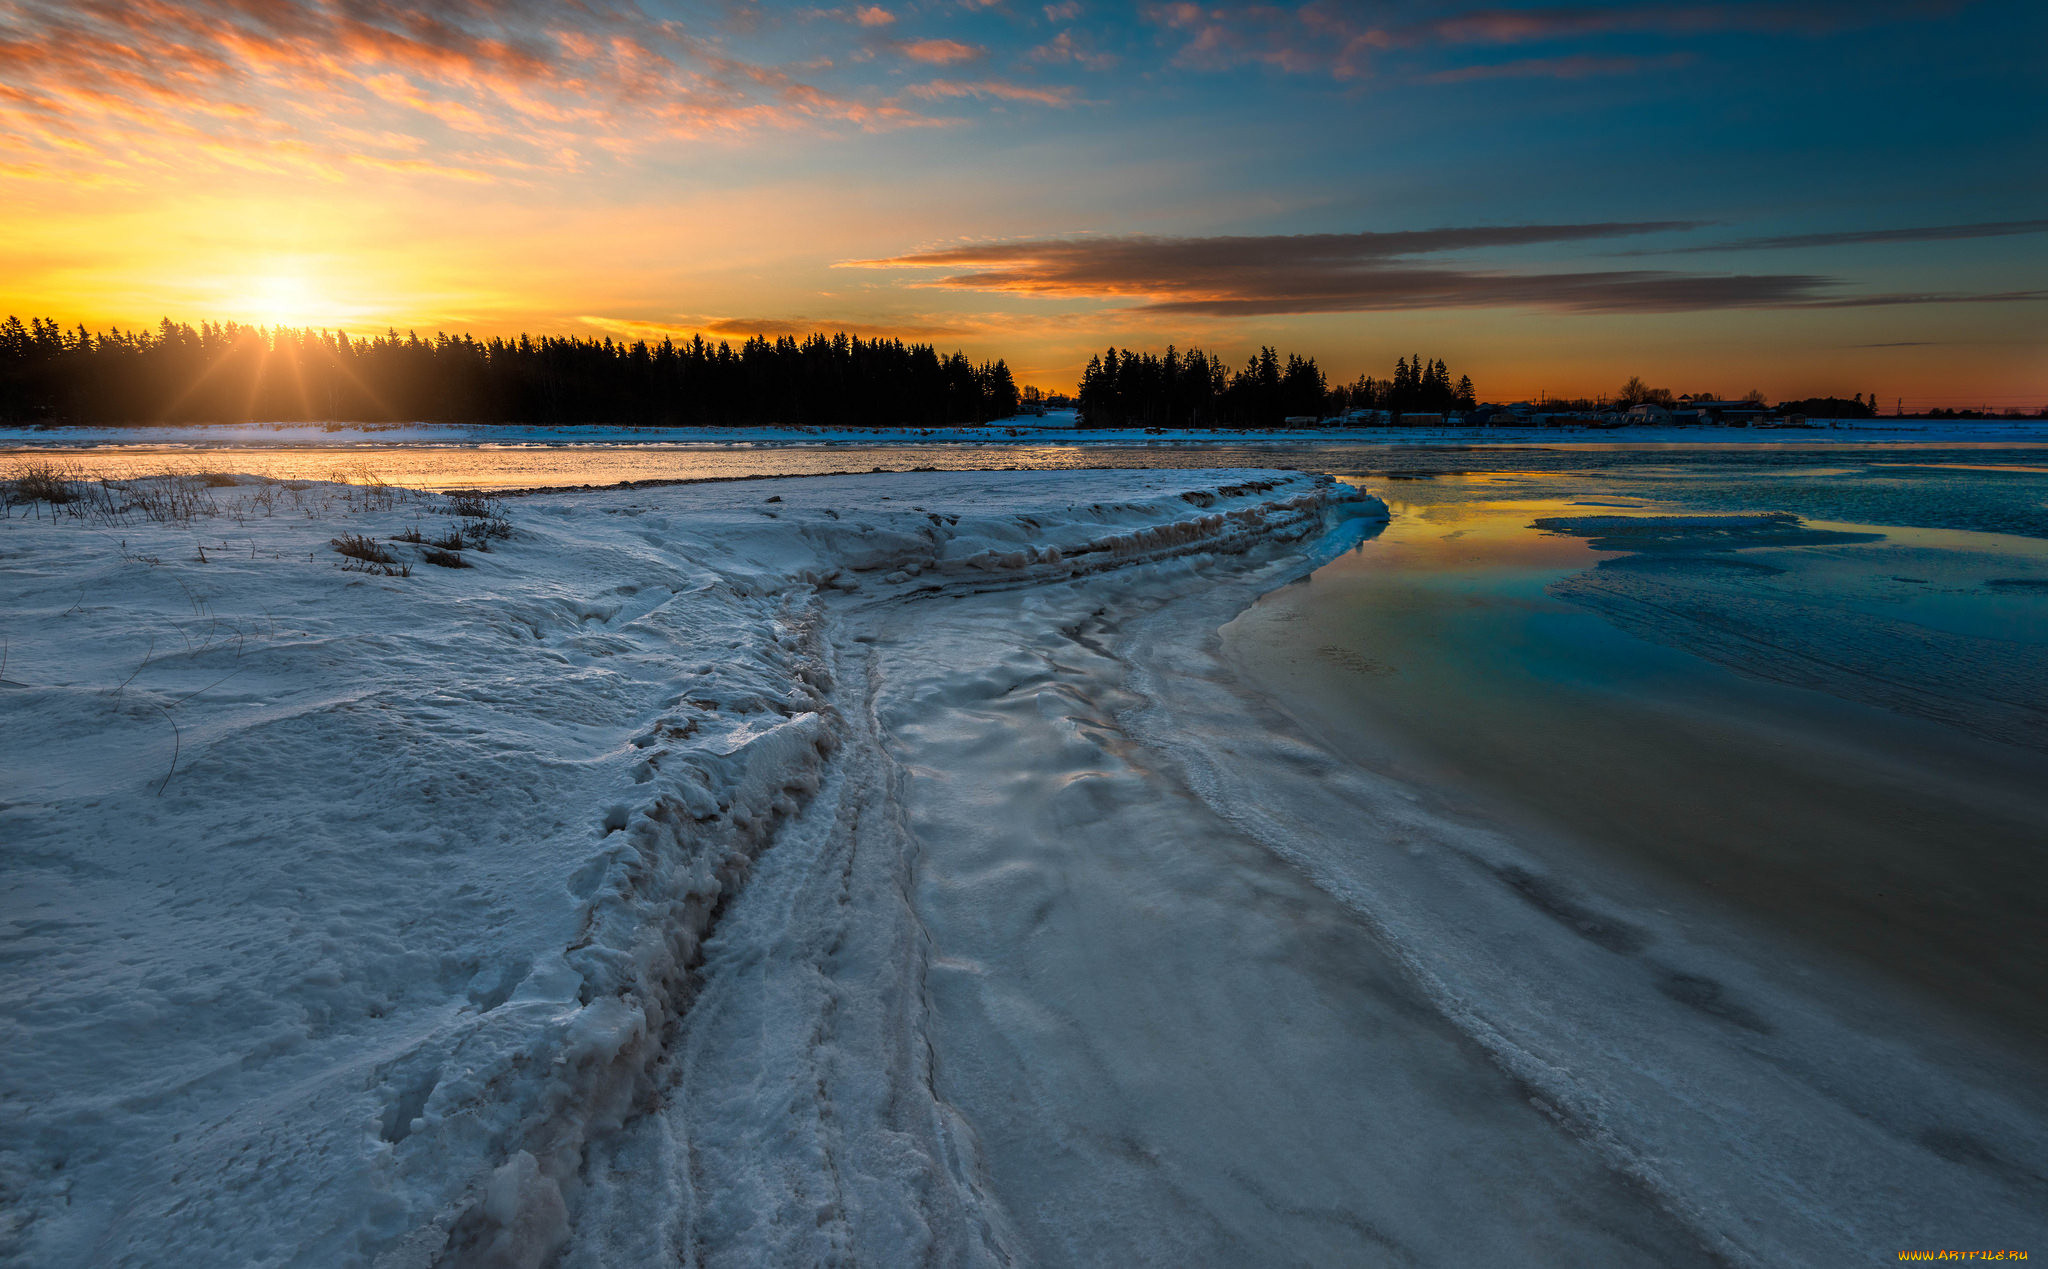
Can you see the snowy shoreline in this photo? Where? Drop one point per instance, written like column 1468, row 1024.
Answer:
column 371, row 897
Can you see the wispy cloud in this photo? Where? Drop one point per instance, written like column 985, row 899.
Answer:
column 1065, row 48
column 1343, row 273
column 309, row 83
column 916, row 327
column 940, row 52
column 993, row 90
column 1852, row 237
column 1342, row 38
column 1577, row 66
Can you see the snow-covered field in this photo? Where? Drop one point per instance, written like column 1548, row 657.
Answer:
column 344, row 909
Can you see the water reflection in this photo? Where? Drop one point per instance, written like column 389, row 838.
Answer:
column 1846, row 737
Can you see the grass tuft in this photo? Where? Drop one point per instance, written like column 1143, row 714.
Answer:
column 362, row 547
column 40, row 480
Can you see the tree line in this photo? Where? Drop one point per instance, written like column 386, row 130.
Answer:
column 1194, row 389
column 231, row 373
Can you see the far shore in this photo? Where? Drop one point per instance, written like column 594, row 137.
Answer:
column 1024, row 430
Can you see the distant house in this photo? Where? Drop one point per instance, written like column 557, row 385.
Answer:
column 1733, row 413
column 1422, row 420
column 1300, row 420
column 1649, row 414
column 1365, row 418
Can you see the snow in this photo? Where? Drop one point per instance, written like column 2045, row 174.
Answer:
column 878, row 869
column 345, row 911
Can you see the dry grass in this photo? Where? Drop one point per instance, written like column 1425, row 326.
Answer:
column 482, row 518
column 40, row 480
column 182, row 497
column 362, row 547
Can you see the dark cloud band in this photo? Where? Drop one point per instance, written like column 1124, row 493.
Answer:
column 1364, row 272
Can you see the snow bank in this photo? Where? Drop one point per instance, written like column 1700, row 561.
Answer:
column 349, row 899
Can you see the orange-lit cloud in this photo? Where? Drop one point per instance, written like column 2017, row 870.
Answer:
column 940, row 52
column 300, row 86
column 910, row 328
column 996, row 89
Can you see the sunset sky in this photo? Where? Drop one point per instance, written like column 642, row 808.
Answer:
column 1799, row 197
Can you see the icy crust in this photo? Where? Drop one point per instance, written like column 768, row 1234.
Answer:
column 1661, row 525
column 344, row 910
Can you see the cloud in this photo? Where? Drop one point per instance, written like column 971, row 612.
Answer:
column 308, row 83
column 873, row 15
column 1065, row 48
column 1924, row 233
column 1362, row 272
column 1342, row 38
column 914, row 328
column 991, row 89
column 1558, row 22
column 1578, row 66
column 940, row 52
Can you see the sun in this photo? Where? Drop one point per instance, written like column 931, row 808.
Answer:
column 281, row 299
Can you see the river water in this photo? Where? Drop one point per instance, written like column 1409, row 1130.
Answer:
column 1839, row 731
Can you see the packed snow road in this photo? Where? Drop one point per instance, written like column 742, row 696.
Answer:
column 1005, row 993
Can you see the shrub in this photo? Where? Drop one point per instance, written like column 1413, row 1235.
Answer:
column 484, row 520
column 475, row 504
column 40, row 480
column 446, row 559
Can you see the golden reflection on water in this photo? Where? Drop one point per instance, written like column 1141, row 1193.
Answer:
column 535, row 466
column 1475, row 533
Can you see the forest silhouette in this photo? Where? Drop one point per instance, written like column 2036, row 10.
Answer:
column 1121, row 388
column 230, row 373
